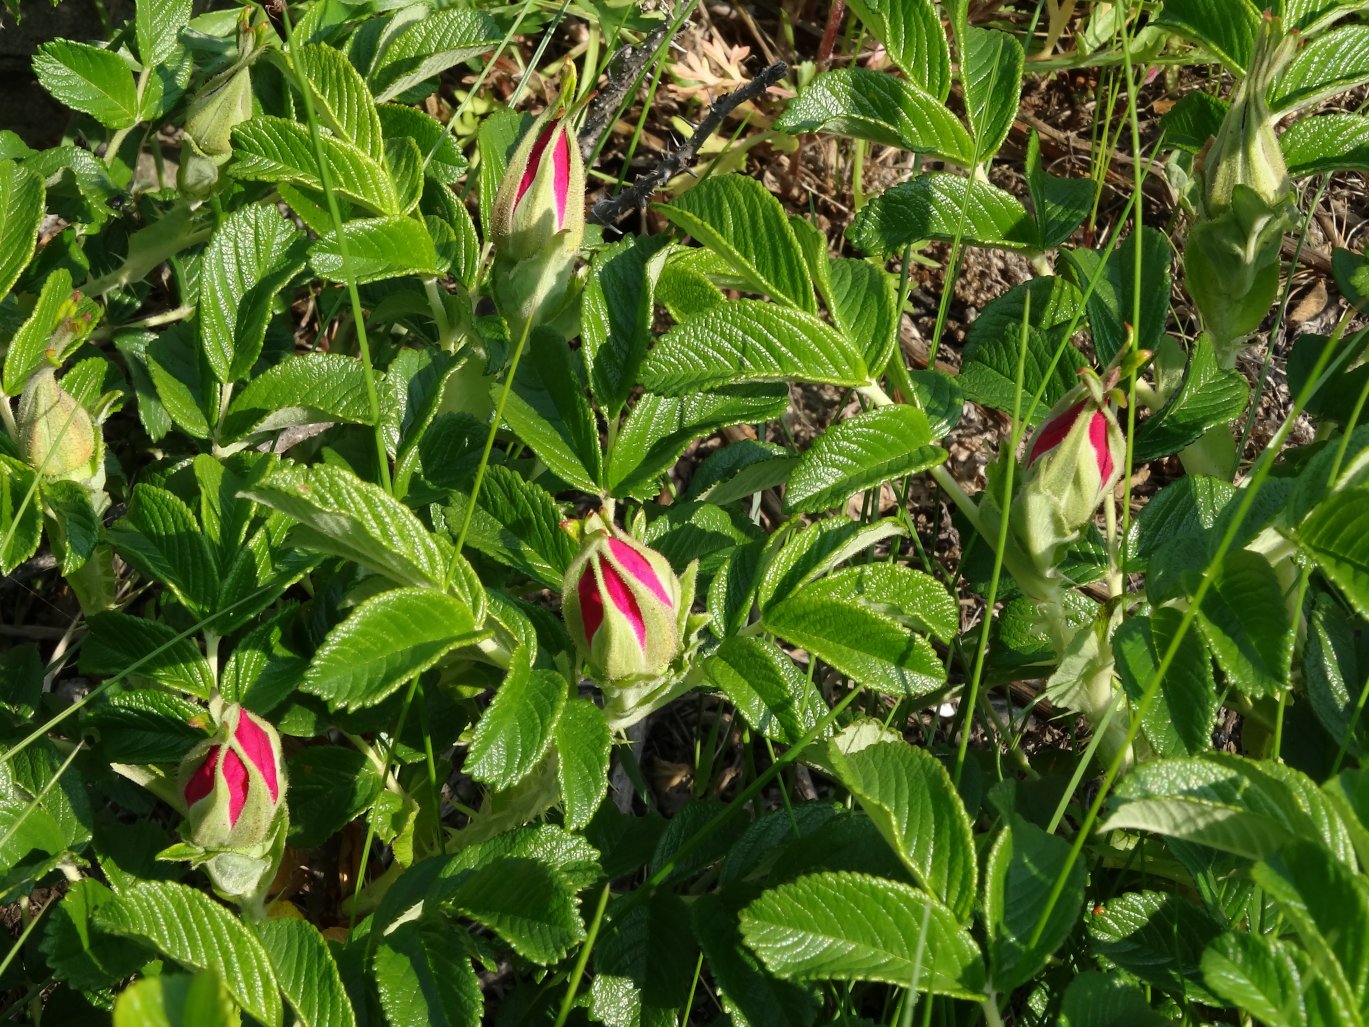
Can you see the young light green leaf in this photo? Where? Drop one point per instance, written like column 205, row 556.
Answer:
column 913, row 37
column 377, row 248
column 910, row 798
column 270, row 149
column 28, row 348
column 356, row 520
column 21, row 519
column 768, row 690
column 253, row 254
column 424, row 976
column 88, row 79
column 21, row 212
column 854, row 927
column 993, row 85
column 191, row 928
column 1227, row 28
column 515, row 731
column 880, row 108
column 341, row 99
column 1022, row 869
column 1326, row 143
column 583, row 742
column 738, row 219
column 548, row 410
column 307, row 972
column 860, row 453
column 177, row 1000
column 387, row 640
column 931, row 207
column 430, row 45
column 1336, row 535
column 751, row 341
column 158, row 24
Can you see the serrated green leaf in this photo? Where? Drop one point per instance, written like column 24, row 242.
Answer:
column 1245, row 621
column 1232, row 804
column 816, row 550
column 1227, row 28
column 910, row 798
column 992, row 75
column 1326, row 143
column 1180, row 720
column 387, row 640
column 1210, row 395
column 253, row 254
column 177, row 1000
column 1095, row 999
column 356, row 520
column 160, row 537
column 1019, row 879
column 913, row 37
column 582, row 742
column 1060, row 204
column 341, row 99
column 78, row 952
column 313, row 388
column 1159, row 936
column 1327, row 65
column 158, row 24
column 854, row 927
column 1336, row 535
column 863, row 300
column 307, row 972
column 517, row 727
column 1255, row 973
column 1112, row 302
column 21, row 212
column 424, row 976
column 776, row 699
column 195, row 931
column 880, row 108
column 1194, row 120
column 28, row 347
column 617, row 315
column 330, row 786
column 21, row 519
column 432, row 44
column 658, row 428
column 738, row 219
column 376, row 248
column 88, row 79
column 270, row 149
column 443, row 160
column 527, row 903
column 942, row 205
column 548, row 410
column 751, row 341
column 860, row 453
column 119, row 643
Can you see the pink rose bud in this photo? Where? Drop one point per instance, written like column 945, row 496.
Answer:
column 1073, row 462
column 233, row 784
column 540, row 206
column 622, row 604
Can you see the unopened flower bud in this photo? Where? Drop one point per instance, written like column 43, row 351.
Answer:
column 540, row 205
column 1073, row 461
column 1246, row 151
column 622, row 604
column 233, row 785
column 56, row 434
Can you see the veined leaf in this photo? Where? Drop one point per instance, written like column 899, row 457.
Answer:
column 314, row 388
column 913, row 37
column 582, row 742
column 1329, row 64
column 387, row 640
column 307, row 972
column 1060, row 204
column 1245, row 621
column 750, row 341
column 1326, row 143
column 270, row 149
column 158, row 24
column 377, row 248
column 341, row 99
column 993, row 86
column 863, row 301
column 28, row 347
column 253, row 253
column 1227, row 28
column 881, row 108
column 739, row 220
column 768, row 690
column 162, row 539
column 119, row 643
column 430, row 45
column 617, row 313
column 191, row 928
column 1209, row 396
column 1255, row 973
column 1159, row 936
column 517, row 727
column 21, row 212
column 941, row 205
column 424, row 976
column 1336, row 535
column 86, row 78
column 859, row 453
column 854, row 927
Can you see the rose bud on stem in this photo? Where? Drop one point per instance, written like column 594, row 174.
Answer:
column 234, row 784
column 622, row 603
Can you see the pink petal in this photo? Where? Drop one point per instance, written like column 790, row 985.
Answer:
column 257, row 744
column 534, row 163
column 1098, row 439
column 591, row 604
column 235, row 776
column 560, row 166
column 1054, row 432
column 640, row 568
column 201, row 782
column 624, row 601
